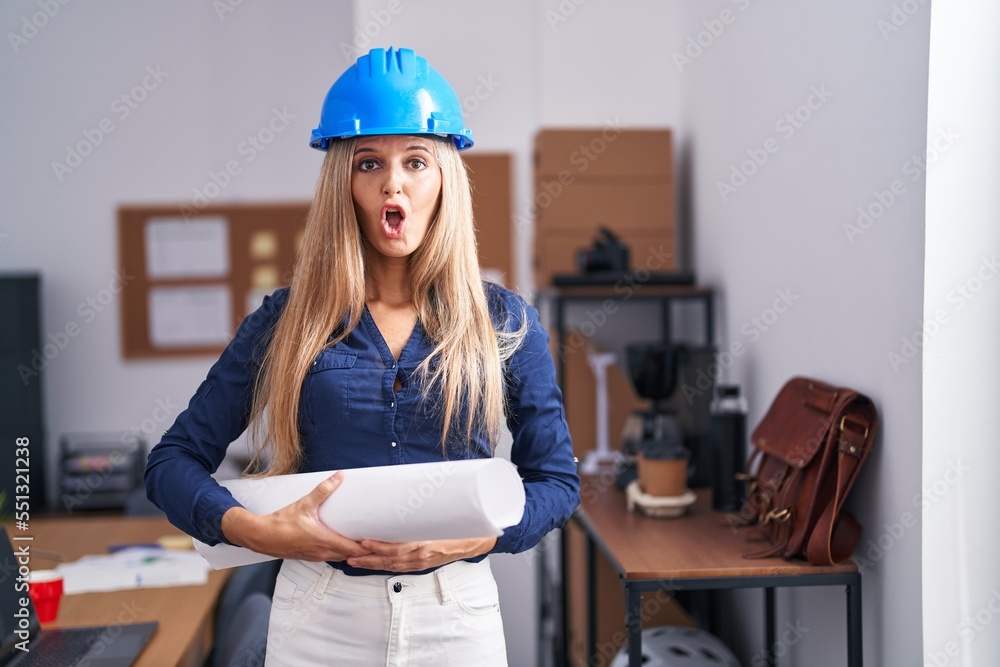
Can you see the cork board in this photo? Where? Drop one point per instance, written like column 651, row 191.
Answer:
column 209, row 267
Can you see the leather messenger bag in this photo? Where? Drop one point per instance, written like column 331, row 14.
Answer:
column 807, row 452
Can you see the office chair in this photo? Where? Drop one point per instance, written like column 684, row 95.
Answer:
column 246, row 640
column 245, row 581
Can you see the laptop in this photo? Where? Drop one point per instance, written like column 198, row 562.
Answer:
column 97, row 646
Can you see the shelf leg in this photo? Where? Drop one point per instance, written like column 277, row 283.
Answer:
column 633, row 621
column 665, row 333
column 769, row 631
column 591, row 558
column 854, row 652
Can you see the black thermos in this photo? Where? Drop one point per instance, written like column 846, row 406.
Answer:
column 729, row 435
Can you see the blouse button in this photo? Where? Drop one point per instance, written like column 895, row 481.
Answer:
column 391, row 405
column 394, row 444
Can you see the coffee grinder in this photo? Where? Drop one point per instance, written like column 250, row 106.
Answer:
column 656, row 430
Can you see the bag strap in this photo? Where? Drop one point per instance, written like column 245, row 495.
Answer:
column 748, row 511
column 770, row 513
column 832, row 540
column 820, row 398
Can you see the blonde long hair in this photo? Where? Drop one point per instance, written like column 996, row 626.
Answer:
column 328, row 290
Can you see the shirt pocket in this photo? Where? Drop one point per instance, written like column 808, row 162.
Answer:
column 327, row 390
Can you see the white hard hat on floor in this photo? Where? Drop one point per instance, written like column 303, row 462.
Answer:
column 678, row 646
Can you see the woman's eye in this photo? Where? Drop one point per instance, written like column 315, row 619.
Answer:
column 417, row 163
column 367, row 165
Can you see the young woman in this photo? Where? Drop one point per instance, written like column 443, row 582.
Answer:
column 388, row 348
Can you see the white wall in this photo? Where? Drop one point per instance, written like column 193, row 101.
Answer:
column 961, row 357
column 782, row 231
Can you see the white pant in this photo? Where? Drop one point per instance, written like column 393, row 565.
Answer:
column 449, row 617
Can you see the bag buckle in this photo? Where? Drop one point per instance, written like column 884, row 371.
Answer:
column 844, row 418
column 781, row 516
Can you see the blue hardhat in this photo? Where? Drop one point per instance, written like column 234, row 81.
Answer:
column 391, row 91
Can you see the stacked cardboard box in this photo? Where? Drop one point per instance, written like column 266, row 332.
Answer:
column 490, row 176
column 610, row 177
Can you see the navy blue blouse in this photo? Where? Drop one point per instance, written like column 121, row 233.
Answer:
column 350, row 417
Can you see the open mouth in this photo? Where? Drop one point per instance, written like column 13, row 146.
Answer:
column 393, row 219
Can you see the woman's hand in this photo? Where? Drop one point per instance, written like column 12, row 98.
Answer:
column 294, row 531
column 417, row 556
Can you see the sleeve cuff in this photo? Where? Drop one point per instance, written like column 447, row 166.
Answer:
column 208, row 513
column 508, row 542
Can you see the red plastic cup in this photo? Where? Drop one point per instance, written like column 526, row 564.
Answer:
column 46, row 588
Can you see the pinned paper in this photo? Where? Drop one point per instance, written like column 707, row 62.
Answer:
column 179, row 248
column 400, row 503
column 190, row 316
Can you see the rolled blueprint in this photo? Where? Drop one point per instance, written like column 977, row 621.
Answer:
column 396, row 503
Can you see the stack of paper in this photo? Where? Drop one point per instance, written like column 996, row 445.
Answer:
column 139, row 567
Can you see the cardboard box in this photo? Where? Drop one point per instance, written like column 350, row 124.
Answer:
column 608, row 151
column 618, row 205
column 490, row 175
column 610, row 177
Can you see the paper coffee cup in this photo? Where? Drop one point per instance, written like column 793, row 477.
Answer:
column 662, row 478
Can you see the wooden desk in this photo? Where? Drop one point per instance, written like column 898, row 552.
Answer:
column 697, row 552
column 185, row 613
